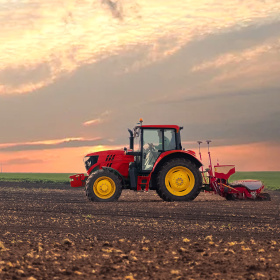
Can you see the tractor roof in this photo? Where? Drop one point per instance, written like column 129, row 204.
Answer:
column 162, row 126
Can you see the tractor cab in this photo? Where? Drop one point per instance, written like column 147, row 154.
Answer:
column 148, row 142
column 152, row 146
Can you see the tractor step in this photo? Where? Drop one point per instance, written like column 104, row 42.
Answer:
column 143, row 183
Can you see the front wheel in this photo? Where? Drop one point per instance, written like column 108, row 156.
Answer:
column 179, row 180
column 103, row 186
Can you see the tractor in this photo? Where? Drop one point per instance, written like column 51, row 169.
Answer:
column 155, row 160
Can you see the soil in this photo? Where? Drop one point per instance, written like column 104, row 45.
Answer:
column 54, row 232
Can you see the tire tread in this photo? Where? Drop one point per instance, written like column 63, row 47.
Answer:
column 165, row 194
column 93, row 177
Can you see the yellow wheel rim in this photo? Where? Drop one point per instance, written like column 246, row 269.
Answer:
column 179, row 181
column 104, row 187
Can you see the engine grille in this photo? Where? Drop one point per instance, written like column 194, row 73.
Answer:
column 109, row 160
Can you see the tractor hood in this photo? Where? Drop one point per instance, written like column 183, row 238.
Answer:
column 116, row 159
column 107, row 152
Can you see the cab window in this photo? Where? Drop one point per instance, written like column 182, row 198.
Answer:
column 169, row 139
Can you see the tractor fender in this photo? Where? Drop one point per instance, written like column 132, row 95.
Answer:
column 174, row 154
column 116, row 172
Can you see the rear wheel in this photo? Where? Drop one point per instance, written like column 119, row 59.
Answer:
column 103, row 186
column 179, row 180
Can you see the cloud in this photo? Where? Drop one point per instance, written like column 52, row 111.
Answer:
column 49, row 144
column 103, row 117
column 244, row 56
column 14, row 79
column 65, row 35
column 92, row 122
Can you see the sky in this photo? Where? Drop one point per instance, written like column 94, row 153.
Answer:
column 74, row 75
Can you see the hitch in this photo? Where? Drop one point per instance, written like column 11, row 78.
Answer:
column 78, row 180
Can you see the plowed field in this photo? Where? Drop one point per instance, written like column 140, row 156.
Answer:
column 54, row 232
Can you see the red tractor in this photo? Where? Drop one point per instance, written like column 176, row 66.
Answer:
column 157, row 163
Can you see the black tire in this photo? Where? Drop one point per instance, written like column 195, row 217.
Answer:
column 103, row 186
column 168, row 181
column 264, row 197
column 230, row 196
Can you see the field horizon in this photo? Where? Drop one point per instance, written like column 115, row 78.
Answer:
column 271, row 179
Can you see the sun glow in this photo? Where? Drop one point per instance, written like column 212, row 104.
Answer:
column 65, row 160
column 248, row 157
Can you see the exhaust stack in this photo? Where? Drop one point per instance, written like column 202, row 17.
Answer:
column 131, row 140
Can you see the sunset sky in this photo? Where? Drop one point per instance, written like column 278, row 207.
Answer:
column 74, row 75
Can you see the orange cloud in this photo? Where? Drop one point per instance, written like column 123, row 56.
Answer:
column 91, row 122
column 103, row 117
column 48, row 144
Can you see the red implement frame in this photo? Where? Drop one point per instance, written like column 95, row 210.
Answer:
column 218, row 182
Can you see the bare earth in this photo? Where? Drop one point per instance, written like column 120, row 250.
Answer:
column 54, row 232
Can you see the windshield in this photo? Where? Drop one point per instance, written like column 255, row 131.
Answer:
column 152, row 147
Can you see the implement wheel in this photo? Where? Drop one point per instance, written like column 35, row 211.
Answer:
column 103, row 186
column 230, row 196
column 179, row 180
column 264, row 197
